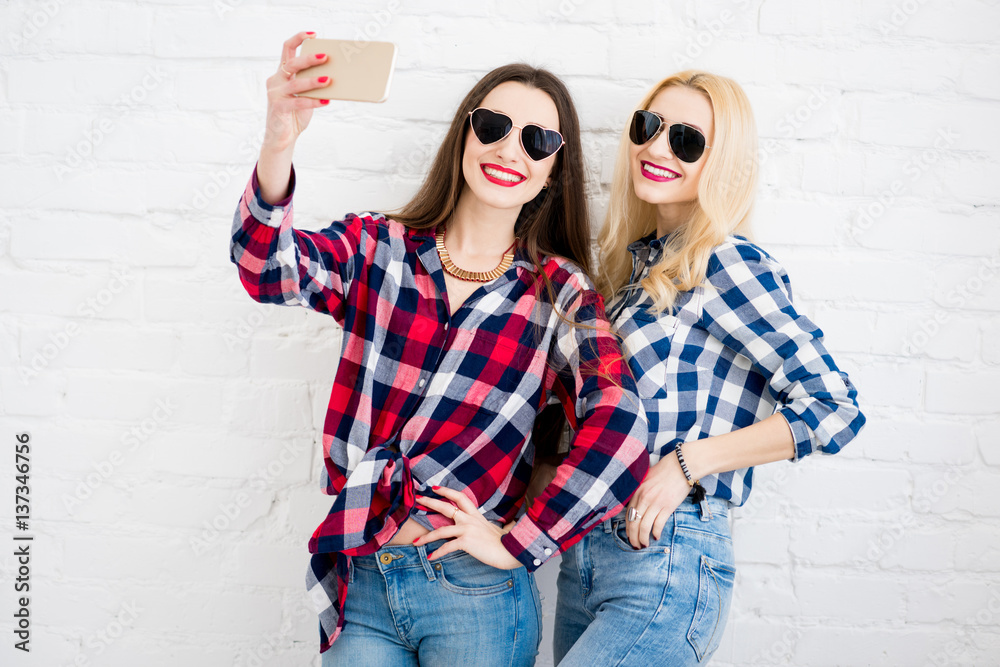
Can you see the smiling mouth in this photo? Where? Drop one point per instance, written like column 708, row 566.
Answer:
column 656, row 173
column 500, row 176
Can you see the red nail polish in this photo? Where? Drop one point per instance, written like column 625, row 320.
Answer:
column 415, row 541
column 320, row 56
column 324, row 101
column 310, row 33
column 324, row 79
column 435, row 487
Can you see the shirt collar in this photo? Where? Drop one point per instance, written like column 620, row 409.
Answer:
column 421, row 234
column 649, row 240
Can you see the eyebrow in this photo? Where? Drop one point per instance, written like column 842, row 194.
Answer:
column 679, row 121
column 530, row 122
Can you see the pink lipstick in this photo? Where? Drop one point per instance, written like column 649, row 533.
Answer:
column 655, row 172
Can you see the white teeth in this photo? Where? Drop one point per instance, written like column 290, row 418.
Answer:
column 502, row 175
column 656, row 171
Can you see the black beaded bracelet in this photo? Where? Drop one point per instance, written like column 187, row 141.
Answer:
column 687, row 473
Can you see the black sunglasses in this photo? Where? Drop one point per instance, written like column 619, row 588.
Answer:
column 686, row 142
column 492, row 126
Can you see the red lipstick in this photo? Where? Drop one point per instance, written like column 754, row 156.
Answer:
column 494, row 178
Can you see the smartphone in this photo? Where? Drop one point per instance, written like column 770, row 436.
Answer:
column 361, row 71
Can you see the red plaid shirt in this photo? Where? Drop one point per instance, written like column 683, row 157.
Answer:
column 422, row 397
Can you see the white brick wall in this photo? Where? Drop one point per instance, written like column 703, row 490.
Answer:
column 175, row 535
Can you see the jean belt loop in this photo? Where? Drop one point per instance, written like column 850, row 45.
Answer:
column 422, row 557
column 607, row 525
column 706, row 511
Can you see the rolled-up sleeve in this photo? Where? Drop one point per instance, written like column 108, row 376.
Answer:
column 748, row 307
column 282, row 265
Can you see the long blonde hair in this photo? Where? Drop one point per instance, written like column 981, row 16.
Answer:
column 725, row 202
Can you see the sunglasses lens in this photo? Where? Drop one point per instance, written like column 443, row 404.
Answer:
column 687, row 143
column 644, row 126
column 540, row 143
column 490, row 127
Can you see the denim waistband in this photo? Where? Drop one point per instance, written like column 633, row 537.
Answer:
column 709, row 508
column 405, row 556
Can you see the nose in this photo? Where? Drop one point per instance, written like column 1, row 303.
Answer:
column 660, row 146
column 509, row 147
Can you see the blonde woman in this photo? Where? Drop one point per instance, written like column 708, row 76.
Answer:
column 730, row 374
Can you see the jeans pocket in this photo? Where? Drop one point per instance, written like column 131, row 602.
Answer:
column 468, row 576
column 715, row 592
column 661, row 546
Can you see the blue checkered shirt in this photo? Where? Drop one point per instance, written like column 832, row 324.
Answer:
column 733, row 352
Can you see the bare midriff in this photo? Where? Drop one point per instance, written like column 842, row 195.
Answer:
column 408, row 532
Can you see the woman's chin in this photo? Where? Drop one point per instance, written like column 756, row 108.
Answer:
column 501, row 199
column 656, row 196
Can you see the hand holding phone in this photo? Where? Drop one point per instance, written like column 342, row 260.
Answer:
column 357, row 71
column 287, row 116
column 361, row 71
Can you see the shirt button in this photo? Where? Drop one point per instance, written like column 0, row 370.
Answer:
column 537, row 562
column 422, row 382
column 445, row 326
column 548, row 552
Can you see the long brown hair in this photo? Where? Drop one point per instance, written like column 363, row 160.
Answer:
column 556, row 222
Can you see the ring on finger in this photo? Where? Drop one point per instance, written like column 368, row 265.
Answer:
column 282, row 66
column 454, row 514
column 633, row 514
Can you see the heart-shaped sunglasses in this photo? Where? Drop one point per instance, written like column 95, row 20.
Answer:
column 491, row 126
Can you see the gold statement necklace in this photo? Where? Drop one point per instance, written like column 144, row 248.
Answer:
column 473, row 276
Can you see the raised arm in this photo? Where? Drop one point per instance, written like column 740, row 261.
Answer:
column 287, row 117
column 277, row 263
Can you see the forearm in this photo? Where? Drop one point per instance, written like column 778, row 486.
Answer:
column 607, row 462
column 665, row 487
column 274, row 170
column 764, row 442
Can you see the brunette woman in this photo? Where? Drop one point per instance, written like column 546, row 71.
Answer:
column 463, row 314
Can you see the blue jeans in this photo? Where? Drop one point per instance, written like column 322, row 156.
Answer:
column 665, row 604
column 405, row 610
